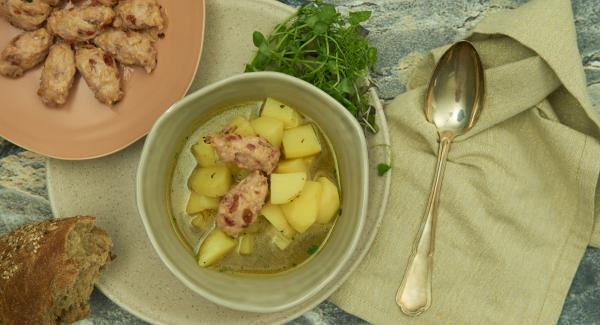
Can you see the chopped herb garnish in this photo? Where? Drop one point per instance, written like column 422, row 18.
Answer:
column 212, row 175
column 326, row 49
column 382, row 169
column 312, row 249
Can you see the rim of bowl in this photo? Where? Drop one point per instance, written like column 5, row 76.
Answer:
column 172, row 266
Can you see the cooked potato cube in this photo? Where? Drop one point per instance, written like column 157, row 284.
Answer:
column 276, row 109
column 329, row 201
column 292, row 166
column 210, row 181
column 285, row 187
column 198, row 203
column 204, row 153
column 216, row 245
column 241, row 126
column 300, row 142
column 269, row 128
column 246, row 244
column 281, row 241
column 275, row 216
column 203, row 221
column 302, row 212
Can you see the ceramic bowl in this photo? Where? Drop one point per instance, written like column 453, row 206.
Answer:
column 248, row 293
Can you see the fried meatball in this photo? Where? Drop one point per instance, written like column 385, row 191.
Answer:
column 239, row 207
column 139, row 14
column 129, row 47
column 81, row 23
column 58, row 75
column 248, row 152
column 25, row 14
column 24, row 52
column 100, row 72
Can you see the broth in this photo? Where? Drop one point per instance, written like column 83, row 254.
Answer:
column 266, row 257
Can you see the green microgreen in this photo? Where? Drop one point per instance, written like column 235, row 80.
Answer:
column 326, row 49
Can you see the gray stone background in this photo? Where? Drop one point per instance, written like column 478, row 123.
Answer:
column 401, row 30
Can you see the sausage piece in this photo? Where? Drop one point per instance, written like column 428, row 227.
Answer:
column 240, row 206
column 24, row 52
column 248, row 152
column 139, row 14
column 58, row 75
column 80, row 24
column 27, row 15
column 100, row 72
column 129, row 47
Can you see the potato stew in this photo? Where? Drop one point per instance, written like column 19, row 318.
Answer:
column 262, row 190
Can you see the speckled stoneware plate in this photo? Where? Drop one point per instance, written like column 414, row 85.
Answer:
column 137, row 280
column 84, row 128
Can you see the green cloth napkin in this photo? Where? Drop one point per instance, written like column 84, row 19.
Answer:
column 517, row 205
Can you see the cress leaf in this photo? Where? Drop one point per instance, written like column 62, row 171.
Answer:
column 382, row 169
column 258, row 39
column 358, row 17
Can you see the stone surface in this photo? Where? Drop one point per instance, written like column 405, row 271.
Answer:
column 401, row 30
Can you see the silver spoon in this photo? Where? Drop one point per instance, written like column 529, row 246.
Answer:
column 452, row 103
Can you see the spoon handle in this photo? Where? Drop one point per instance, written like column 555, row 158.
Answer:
column 414, row 294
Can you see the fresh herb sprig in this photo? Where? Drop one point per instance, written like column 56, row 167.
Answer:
column 326, row 49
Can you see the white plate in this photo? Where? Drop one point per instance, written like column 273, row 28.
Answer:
column 105, row 188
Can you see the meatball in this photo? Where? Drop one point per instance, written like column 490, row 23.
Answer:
column 100, row 72
column 129, row 47
column 248, row 152
column 58, row 75
column 239, row 207
column 139, row 14
column 24, row 52
column 27, row 15
column 81, row 23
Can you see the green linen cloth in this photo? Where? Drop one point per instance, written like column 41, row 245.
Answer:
column 517, row 205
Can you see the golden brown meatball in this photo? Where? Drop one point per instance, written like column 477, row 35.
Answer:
column 129, row 47
column 139, row 14
column 25, row 14
column 24, row 52
column 81, row 23
column 100, row 72
column 58, row 75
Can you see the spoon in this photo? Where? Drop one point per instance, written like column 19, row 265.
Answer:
column 453, row 101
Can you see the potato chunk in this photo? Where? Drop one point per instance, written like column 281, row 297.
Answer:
column 241, row 126
column 204, row 153
column 198, row 203
column 292, row 166
column 302, row 212
column 329, row 201
column 300, row 142
column 277, row 238
column 246, row 244
column 275, row 216
column 276, row 109
column 210, row 181
column 269, row 128
column 285, row 187
column 215, row 247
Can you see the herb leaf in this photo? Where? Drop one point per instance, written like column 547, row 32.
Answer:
column 326, row 49
column 312, row 249
column 358, row 17
column 382, row 169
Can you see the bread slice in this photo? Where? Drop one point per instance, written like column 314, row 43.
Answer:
column 48, row 270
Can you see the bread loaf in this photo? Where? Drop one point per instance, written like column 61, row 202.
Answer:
column 48, row 270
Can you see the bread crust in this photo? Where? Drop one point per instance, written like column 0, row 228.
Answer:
column 34, row 267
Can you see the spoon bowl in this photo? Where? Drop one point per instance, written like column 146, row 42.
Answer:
column 453, row 102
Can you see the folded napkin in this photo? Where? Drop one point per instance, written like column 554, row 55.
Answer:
column 517, row 203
